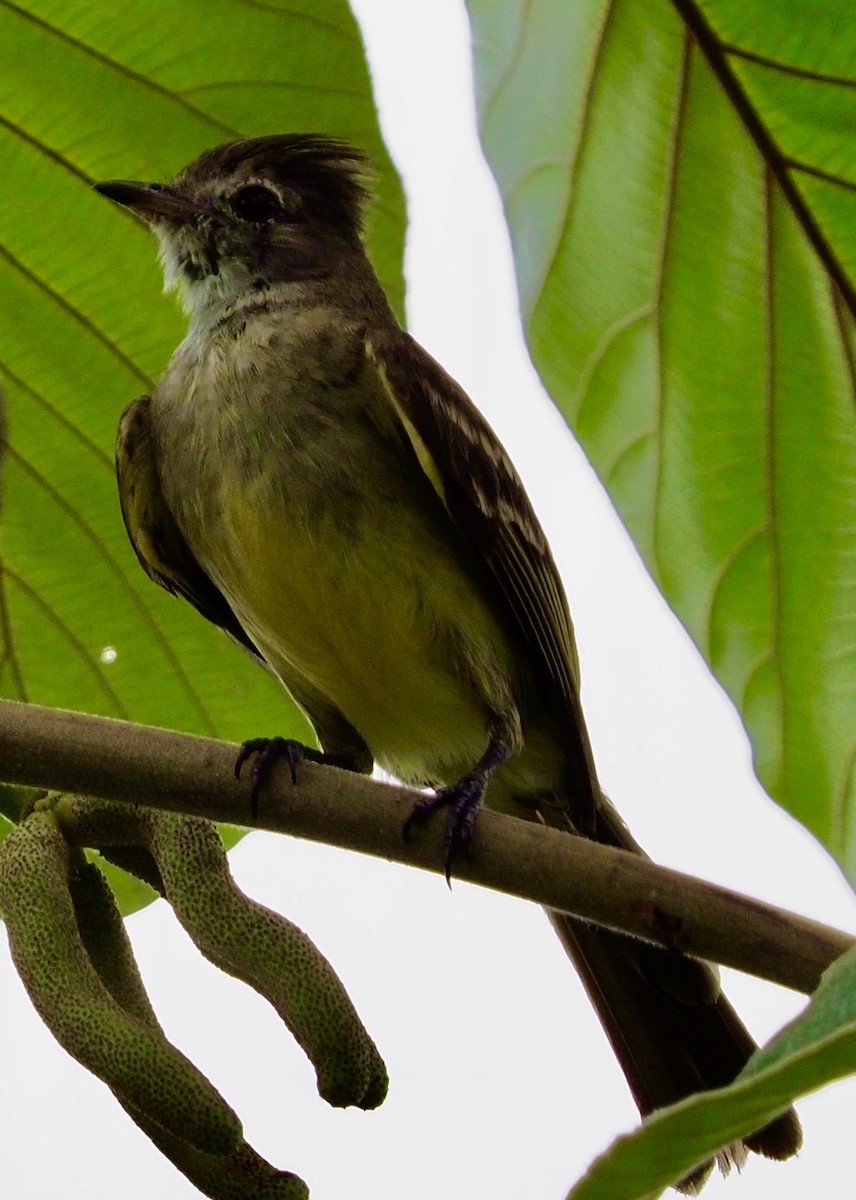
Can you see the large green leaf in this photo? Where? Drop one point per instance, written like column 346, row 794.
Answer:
column 817, row 1048
column 104, row 90
column 98, row 91
column 679, row 184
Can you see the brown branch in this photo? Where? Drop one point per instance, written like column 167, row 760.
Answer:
column 114, row 760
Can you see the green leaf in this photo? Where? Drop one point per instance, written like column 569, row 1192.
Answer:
column 131, row 893
column 817, row 1048
column 679, row 184
column 95, row 91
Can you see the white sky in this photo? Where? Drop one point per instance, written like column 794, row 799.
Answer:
column 503, row 1086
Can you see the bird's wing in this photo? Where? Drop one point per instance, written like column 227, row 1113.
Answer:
column 167, row 559
column 476, row 481
column 157, row 541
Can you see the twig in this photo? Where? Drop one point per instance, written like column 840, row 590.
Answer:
column 115, row 760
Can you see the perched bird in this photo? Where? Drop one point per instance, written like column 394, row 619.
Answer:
column 311, row 480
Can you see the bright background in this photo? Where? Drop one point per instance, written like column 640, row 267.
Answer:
column 503, row 1086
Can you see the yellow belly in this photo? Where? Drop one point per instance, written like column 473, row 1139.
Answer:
column 364, row 615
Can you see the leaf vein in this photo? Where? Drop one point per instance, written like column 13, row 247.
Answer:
column 713, row 49
column 115, row 569
column 308, row 18
column 676, row 136
column 91, row 328
column 284, row 84
column 804, row 168
column 577, row 151
column 77, row 645
column 580, row 397
column 514, row 57
column 127, row 72
column 57, row 415
column 784, row 68
column 10, row 654
column 771, row 460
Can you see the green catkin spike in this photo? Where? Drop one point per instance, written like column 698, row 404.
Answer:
column 241, row 1175
column 269, row 953
column 106, row 941
column 242, row 938
column 69, row 995
column 117, row 830
column 87, row 821
column 234, row 1176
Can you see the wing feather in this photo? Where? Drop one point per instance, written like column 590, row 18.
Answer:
column 484, row 496
column 157, row 541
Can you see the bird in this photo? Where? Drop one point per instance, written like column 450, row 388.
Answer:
column 312, row 481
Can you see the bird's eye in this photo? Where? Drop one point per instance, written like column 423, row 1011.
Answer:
column 256, row 204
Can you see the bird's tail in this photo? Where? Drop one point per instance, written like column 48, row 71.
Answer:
column 671, row 1027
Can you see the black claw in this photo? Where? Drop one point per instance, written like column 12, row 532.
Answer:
column 248, row 749
column 420, row 811
column 267, row 752
column 463, row 802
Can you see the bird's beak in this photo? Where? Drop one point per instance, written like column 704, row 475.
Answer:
column 152, row 201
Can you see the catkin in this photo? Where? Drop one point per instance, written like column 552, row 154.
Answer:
column 270, row 954
column 135, row 1060
column 232, row 1176
column 242, row 937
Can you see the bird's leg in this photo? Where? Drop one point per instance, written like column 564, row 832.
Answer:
column 268, row 751
column 463, row 800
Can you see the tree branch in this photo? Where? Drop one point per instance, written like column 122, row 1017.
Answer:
column 115, row 760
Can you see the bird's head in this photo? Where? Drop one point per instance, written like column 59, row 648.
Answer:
column 250, row 215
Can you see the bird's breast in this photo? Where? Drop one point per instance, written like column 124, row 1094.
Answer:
column 337, row 557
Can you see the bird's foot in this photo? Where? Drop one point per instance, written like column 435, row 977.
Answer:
column 266, row 752
column 463, row 801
